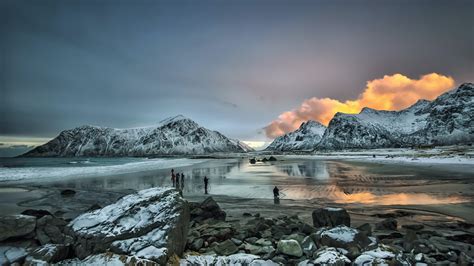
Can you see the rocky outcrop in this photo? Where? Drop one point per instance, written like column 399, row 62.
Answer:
column 331, row 217
column 150, row 224
column 208, row 209
column 16, row 226
column 52, row 253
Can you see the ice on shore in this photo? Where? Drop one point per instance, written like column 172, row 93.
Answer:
column 28, row 173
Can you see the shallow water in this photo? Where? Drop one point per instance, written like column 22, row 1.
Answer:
column 302, row 179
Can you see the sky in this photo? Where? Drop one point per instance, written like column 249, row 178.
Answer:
column 248, row 69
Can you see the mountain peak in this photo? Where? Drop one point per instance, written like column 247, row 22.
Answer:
column 174, row 119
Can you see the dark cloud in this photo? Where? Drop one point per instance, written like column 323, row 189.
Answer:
column 231, row 66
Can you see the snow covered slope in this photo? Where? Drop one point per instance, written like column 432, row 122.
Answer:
column 242, row 145
column 176, row 135
column 304, row 138
column 449, row 119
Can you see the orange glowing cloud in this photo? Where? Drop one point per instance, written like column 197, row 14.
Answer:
column 393, row 92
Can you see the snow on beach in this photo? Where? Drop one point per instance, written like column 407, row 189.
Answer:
column 439, row 155
column 30, row 173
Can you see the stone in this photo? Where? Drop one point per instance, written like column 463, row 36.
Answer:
column 197, row 244
column 366, row 228
column 409, row 240
column 68, row 193
column 226, row 248
column 208, row 209
column 272, row 159
column 150, row 224
column 10, row 255
column 308, row 246
column 343, row 237
column 114, row 259
column 297, row 237
column 236, row 241
column 290, row 247
column 36, row 213
column 329, row 256
column 251, row 240
column 52, row 253
column 387, row 224
column 16, row 225
column 263, row 242
column 330, row 217
column 246, row 214
column 382, row 255
column 49, row 229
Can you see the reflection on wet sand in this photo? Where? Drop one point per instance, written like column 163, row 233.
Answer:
column 396, row 199
column 325, row 181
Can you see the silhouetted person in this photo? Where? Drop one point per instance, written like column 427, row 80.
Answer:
column 173, row 177
column 182, row 181
column 276, row 192
column 177, row 180
column 276, row 195
column 206, row 182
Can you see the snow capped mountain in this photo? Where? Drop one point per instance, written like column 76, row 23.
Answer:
column 449, row 119
column 304, row 138
column 242, row 145
column 175, row 135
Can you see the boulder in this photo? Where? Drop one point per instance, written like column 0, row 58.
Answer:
column 344, row 237
column 111, row 259
column 10, row 255
column 382, row 255
column 330, row 217
column 16, row 225
column 226, row 248
column 36, row 213
column 206, row 210
column 49, row 229
column 308, row 246
column 387, row 224
column 52, row 253
column 328, row 256
column 151, row 224
column 290, row 247
column 272, row 159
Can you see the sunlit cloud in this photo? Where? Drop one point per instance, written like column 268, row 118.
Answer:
column 392, row 92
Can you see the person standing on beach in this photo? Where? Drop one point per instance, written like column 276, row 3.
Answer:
column 182, row 181
column 177, row 180
column 276, row 195
column 206, row 182
column 173, row 177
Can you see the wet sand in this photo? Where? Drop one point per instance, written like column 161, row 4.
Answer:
column 432, row 194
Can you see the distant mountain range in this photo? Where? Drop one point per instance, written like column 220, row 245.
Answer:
column 449, row 119
column 173, row 136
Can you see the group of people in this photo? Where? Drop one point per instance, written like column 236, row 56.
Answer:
column 178, row 181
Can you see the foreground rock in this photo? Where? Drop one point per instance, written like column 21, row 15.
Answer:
column 208, row 209
column 16, row 226
column 151, row 224
column 331, row 217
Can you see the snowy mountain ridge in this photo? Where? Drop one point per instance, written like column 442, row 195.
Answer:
column 306, row 137
column 172, row 136
column 449, row 119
